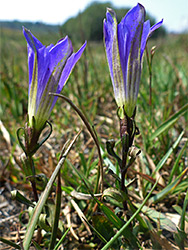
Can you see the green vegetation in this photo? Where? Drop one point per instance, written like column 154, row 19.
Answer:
column 88, row 25
column 87, row 222
column 37, row 27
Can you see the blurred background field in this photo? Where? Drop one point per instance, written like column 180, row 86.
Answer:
column 164, row 153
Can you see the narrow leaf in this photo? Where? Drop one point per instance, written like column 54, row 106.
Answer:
column 99, row 181
column 10, row 243
column 57, row 213
column 159, row 218
column 169, row 152
column 177, row 162
column 103, row 226
column 38, row 208
column 179, row 211
column 115, row 194
column 62, row 239
column 121, row 231
column 118, row 223
column 96, row 232
column 182, row 221
column 167, row 124
column 36, row 245
column 16, row 195
column 169, row 188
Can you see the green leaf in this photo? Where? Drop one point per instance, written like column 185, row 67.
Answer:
column 182, row 221
column 159, row 218
column 112, row 169
column 180, row 238
column 96, row 232
column 79, row 173
column 168, row 189
column 181, row 187
column 169, row 152
column 16, row 195
column 114, row 219
column 56, row 213
column 118, row 223
column 179, row 211
column 83, row 161
column 38, row 208
column 62, row 239
column 67, row 190
column 10, row 243
column 177, row 161
column 122, row 230
column 103, row 226
column 115, row 194
column 36, row 245
column 167, row 124
column 42, row 222
column 107, row 161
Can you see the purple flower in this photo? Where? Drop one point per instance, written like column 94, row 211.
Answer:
column 49, row 69
column 125, row 44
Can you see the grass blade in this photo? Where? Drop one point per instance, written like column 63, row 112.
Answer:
column 160, row 195
column 62, row 239
column 169, row 152
column 93, row 135
column 167, row 124
column 38, row 209
column 57, row 213
column 159, row 218
column 10, row 243
column 120, row 232
column 182, row 221
column 177, row 162
column 118, row 223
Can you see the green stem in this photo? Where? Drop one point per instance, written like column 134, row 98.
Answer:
column 40, row 204
column 99, row 182
column 120, row 232
column 57, row 213
column 33, row 183
column 123, row 172
column 149, row 61
column 125, row 134
column 61, row 240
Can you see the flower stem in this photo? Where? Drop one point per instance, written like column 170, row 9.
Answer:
column 33, row 183
column 127, row 132
column 100, row 178
column 57, row 212
column 123, row 173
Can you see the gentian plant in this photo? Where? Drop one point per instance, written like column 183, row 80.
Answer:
column 49, row 70
column 125, row 44
column 121, row 210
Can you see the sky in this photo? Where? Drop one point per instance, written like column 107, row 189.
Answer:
column 174, row 12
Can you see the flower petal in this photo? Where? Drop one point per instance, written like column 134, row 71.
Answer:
column 57, row 57
column 125, row 44
column 109, row 33
column 32, row 41
column 134, row 18
column 49, row 69
column 113, row 56
column 72, row 60
column 56, row 82
column 145, row 32
column 60, row 52
column 155, row 26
